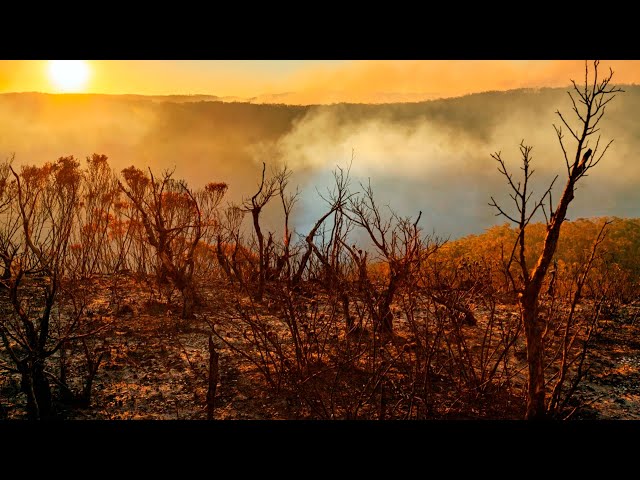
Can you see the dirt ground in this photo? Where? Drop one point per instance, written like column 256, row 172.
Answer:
column 611, row 390
column 155, row 366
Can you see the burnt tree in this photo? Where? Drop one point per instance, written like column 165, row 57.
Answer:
column 589, row 102
column 254, row 205
column 174, row 222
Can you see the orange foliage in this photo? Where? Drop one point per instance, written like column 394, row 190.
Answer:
column 378, row 271
column 216, row 187
column 35, row 177
column 66, row 172
column 618, row 255
column 243, row 255
column 97, row 161
column 136, row 179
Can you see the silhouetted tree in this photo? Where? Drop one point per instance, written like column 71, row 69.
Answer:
column 266, row 191
column 592, row 98
column 9, row 220
column 46, row 198
column 400, row 243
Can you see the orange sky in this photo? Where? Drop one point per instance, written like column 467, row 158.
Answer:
column 312, row 81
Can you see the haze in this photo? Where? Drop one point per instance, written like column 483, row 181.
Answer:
column 431, row 156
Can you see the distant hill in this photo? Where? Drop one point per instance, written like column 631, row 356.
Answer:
column 153, row 98
column 432, row 156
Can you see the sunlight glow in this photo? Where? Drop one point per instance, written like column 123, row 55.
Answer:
column 69, row 75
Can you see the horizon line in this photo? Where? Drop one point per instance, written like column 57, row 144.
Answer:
column 252, row 100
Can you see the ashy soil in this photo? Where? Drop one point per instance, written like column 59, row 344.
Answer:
column 155, row 366
column 611, row 389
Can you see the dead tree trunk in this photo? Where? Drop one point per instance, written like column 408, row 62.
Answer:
column 255, row 204
column 255, row 213
column 535, row 360
column 213, row 378
column 35, row 386
column 385, row 315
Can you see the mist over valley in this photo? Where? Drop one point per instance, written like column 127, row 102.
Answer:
column 431, row 156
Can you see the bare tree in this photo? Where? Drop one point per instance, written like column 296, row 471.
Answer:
column 9, row 219
column 229, row 249
column 589, row 108
column 99, row 193
column 46, row 198
column 266, row 191
column 398, row 241
column 336, row 200
column 329, row 239
column 288, row 201
column 174, row 223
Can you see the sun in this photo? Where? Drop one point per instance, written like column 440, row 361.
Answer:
column 69, row 75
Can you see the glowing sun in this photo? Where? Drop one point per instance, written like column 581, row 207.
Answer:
column 69, row 75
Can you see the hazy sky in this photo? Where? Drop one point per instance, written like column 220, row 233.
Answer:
column 310, row 81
